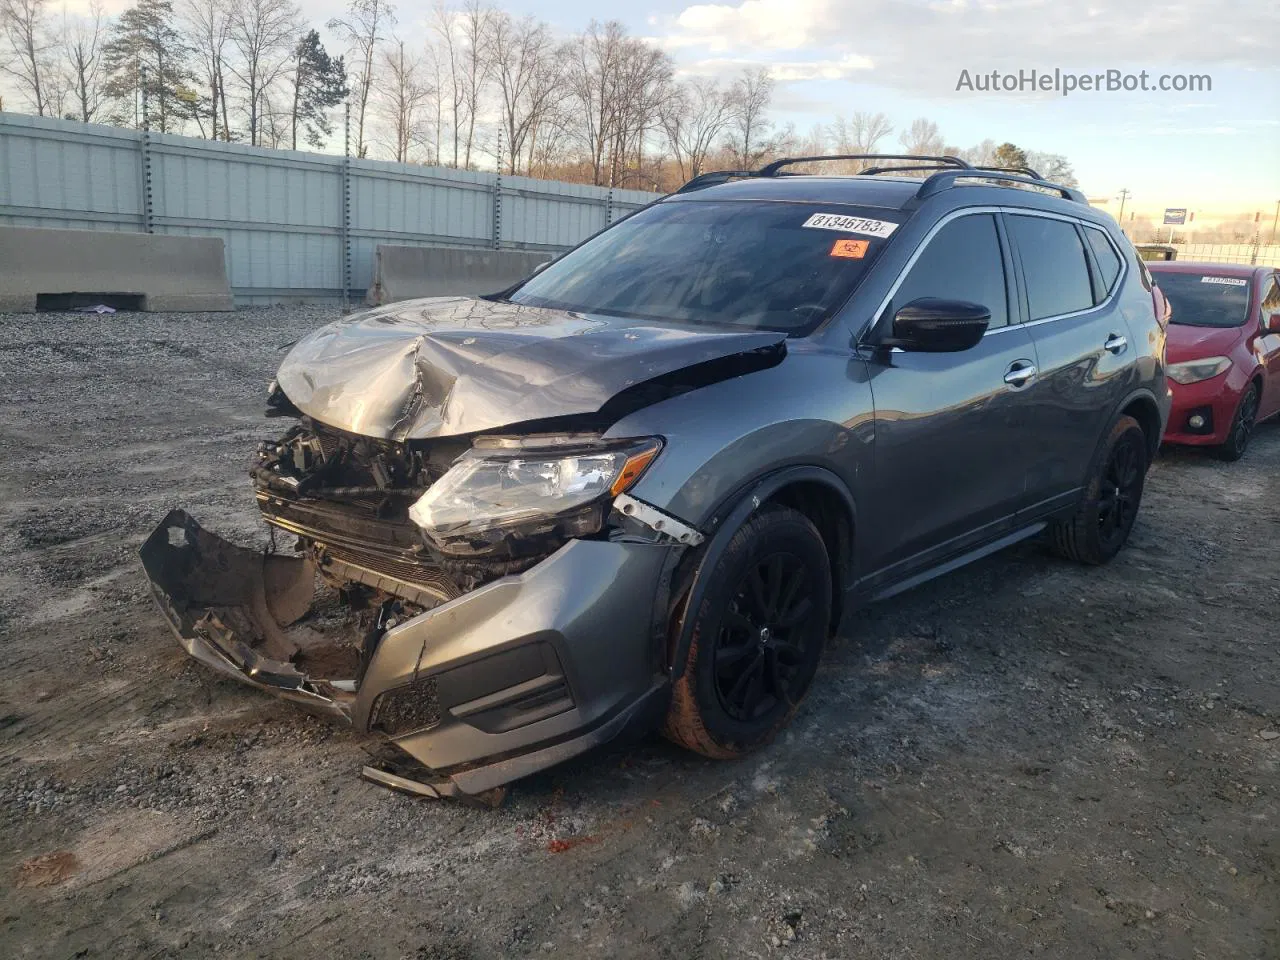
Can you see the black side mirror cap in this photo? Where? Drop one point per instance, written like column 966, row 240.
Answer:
column 932, row 325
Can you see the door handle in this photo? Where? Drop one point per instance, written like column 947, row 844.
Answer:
column 1020, row 373
column 1116, row 343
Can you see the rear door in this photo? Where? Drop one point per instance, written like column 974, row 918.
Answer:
column 949, row 430
column 1069, row 276
column 1268, row 345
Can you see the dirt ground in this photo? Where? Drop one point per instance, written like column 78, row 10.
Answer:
column 1023, row 758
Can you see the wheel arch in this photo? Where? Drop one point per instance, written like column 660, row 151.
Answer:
column 814, row 491
column 1142, row 407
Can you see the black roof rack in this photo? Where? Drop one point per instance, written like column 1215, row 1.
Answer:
column 944, row 179
column 947, row 169
column 1025, row 171
column 716, row 177
column 771, row 170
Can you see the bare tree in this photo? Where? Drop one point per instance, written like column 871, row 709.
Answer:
column 207, row 29
column 404, row 95
column 643, row 87
column 477, row 68
column 24, row 28
column 1053, row 166
column 693, row 119
column 861, row 132
column 750, row 97
column 263, row 33
column 921, row 138
column 365, row 26
column 528, row 76
column 82, row 41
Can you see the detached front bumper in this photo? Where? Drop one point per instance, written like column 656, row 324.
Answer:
column 511, row 678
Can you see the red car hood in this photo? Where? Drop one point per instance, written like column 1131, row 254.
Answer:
column 1196, row 343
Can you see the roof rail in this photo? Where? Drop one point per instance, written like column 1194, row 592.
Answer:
column 947, row 169
column 1025, row 171
column 716, row 177
column 945, row 179
column 772, row 169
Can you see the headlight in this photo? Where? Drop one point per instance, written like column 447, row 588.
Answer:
column 509, row 488
column 1193, row 371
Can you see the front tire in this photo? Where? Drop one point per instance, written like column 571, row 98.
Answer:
column 1241, row 427
column 1102, row 522
column 757, row 637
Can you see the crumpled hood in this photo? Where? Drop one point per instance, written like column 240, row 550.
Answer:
column 447, row 366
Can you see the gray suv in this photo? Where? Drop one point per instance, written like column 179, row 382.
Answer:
column 640, row 488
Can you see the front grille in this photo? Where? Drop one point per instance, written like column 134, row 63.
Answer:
column 400, row 710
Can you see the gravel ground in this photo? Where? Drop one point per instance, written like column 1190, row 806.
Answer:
column 1025, row 757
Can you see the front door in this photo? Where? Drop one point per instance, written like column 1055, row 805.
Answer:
column 949, row 427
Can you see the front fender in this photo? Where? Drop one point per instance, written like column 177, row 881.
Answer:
column 726, row 521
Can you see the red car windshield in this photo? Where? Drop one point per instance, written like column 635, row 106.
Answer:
column 1205, row 299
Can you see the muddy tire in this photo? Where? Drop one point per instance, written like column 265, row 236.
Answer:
column 757, row 637
column 1242, row 425
column 1105, row 516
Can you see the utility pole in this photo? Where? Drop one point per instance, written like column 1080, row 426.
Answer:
column 1124, row 195
column 1274, row 221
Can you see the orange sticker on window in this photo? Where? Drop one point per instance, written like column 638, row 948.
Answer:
column 850, row 249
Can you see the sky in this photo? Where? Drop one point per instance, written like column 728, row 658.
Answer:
column 1216, row 151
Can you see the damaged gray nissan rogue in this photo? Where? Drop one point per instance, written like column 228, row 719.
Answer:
column 638, row 489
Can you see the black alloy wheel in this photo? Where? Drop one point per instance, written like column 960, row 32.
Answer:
column 755, row 638
column 761, row 644
column 1120, row 490
column 1241, row 427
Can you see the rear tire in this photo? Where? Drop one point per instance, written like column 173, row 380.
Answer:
column 1105, row 516
column 1241, row 427
column 757, row 637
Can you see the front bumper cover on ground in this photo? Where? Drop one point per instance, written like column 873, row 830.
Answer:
column 516, row 676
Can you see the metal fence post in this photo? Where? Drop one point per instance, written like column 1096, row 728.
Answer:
column 497, row 199
column 608, row 207
column 346, row 211
column 148, row 210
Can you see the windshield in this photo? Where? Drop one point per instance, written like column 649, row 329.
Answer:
column 1205, row 299
column 763, row 265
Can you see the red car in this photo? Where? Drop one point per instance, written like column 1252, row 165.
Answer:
column 1223, row 352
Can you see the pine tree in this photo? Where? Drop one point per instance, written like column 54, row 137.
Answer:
column 319, row 85
column 147, row 56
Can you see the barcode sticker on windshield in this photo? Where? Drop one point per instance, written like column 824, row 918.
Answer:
column 835, row 221
column 1229, row 281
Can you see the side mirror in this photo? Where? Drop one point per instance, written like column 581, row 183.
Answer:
column 1272, row 322
column 930, row 325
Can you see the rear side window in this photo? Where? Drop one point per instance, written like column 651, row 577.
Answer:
column 1107, row 258
column 1054, row 265
column 962, row 262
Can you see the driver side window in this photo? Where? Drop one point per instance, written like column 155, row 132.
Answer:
column 962, row 262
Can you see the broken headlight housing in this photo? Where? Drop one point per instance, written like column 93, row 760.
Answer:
column 505, row 488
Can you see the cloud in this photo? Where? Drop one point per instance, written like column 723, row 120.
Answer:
column 920, row 45
column 782, row 70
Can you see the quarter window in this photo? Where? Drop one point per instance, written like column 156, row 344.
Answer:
column 1106, row 256
column 1054, row 265
column 962, row 262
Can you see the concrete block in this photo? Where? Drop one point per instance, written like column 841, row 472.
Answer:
column 406, row 273
column 170, row 273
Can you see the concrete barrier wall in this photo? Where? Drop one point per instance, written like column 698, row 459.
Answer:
column 405, row 273
column 297, row 226
column 169, row 273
